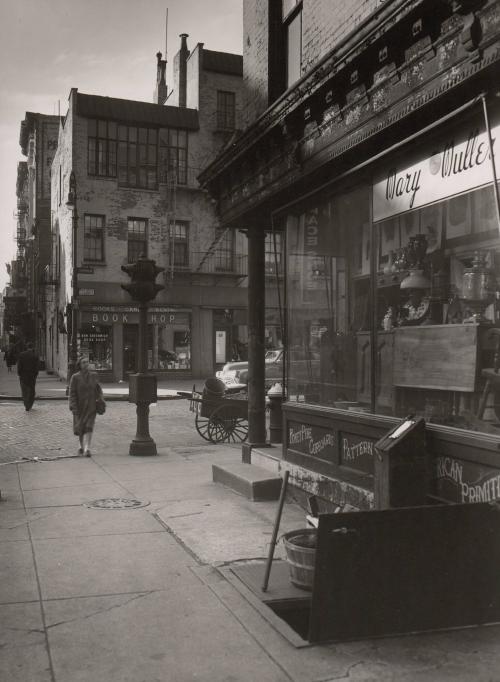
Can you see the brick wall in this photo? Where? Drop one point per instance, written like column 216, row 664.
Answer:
column 255, row 58
column 324, row 24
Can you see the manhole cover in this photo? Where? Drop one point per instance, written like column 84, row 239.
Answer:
column 116, row 503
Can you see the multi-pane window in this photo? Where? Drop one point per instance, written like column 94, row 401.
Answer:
column 138, row 157
column 226, row 110
column 274, row 253
column 137, row 239
column 174, row 150
column 225, row 251
column 292, row 25
column 179, row 233
column 102, row 148
column 93, row 238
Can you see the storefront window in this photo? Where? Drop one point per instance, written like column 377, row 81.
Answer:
column 171, row 343
column 420, row 334
column 328, row 298
column 96, row 342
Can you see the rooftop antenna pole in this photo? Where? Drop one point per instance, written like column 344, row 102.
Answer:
column 166, row 33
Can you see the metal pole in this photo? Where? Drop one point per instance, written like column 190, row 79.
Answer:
column 74, row 293
column 256, row 331
column 275, row 531
column 492, row 158
column 143, row 338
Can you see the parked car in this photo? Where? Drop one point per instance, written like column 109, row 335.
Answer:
column 236, row 373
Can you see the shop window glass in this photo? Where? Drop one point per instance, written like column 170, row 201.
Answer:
column 172, row 342
column 137, row 239
column 437, row 304
column 274, row 253
column 97, row 343
column 329, row 251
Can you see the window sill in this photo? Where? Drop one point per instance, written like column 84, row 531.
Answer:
column 139, row 189
column 94, row 263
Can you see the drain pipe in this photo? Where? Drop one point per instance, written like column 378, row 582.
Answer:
column 492, row 157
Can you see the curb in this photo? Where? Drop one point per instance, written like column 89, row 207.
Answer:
column 109, row 398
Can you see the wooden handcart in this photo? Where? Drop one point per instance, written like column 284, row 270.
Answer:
column 219, row 418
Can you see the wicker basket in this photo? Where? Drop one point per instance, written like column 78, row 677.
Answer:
column 300, row 546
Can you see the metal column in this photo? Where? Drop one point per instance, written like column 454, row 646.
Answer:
column 256, row 337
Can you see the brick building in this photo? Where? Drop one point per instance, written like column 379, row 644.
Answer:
column 38, row 142
column 135, row 166
column 369, row 140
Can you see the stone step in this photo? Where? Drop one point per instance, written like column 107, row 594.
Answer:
column 255, row 483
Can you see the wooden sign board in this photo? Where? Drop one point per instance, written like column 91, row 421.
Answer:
column 313, row 440
column 405, row 570
column 441, row 357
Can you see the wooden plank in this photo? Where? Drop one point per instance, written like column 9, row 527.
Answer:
column 406, row 570
column 440, row 357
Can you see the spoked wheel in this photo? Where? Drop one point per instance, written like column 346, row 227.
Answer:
column 227, row 425
column 202, row 425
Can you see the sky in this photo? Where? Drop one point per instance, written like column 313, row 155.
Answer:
column 102, row 47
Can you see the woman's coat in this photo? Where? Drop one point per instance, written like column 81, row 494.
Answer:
column 84, row 390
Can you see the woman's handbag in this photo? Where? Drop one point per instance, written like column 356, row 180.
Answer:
column 100, row 405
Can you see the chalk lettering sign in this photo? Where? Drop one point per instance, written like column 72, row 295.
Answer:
column 312, row 440
column 460, row 481
column 356, row 452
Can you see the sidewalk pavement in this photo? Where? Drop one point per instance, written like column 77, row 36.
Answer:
column 138, row 594
column 50, row 387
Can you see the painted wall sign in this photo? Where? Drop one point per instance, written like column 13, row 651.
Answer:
column 309, row 439
column 459, row 163
column 86, row 292
column 121, row 317
column 356, row 452
column 465, row 482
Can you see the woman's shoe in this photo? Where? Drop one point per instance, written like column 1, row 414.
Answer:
column 88, row 453
column 80, row 451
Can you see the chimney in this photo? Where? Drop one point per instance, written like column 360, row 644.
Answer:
column 183, row 57
column 161, row 92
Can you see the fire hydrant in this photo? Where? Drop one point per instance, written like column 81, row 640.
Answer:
column 275, row 396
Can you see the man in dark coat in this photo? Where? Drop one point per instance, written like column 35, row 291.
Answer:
column 27, row 369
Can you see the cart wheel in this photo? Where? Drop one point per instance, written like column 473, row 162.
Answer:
column 202, row 424
column 227, row 425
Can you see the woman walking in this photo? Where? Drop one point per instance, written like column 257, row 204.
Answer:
column 84, row 394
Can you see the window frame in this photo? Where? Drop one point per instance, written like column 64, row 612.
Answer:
column 226, row 110
column 224, row 253
column 176, row 240
column 144, row 242
column 97, row 141
column 172, row 153
column 287, row 20
column 269, row 257
column 102, row 240
column 138, row 157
